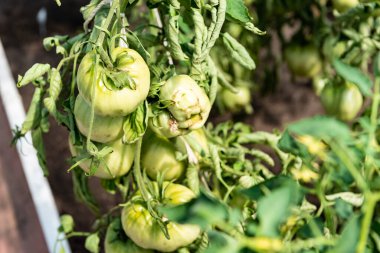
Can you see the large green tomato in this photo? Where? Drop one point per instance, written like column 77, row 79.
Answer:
column 119, row 162
column 142, row 228
column 109, row 100
column 236, row 102
column 344, row 5
column 342, row 100
column 104, row 129
column 116, row 240
column 158, row 156
column 190, row 105
column 303, row 60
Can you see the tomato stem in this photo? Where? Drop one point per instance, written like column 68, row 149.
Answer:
column 114, row 6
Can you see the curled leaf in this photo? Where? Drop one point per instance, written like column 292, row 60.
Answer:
column 238, row 52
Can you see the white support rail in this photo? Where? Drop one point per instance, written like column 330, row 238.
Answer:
column 38, row 185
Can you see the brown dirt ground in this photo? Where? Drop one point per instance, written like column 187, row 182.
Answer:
column 23, row 45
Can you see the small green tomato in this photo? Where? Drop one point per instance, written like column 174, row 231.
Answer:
column 116, row 240
column 158, row 156
column 344, row 5
column 107, row 99
column 104, row 129
column 236, row 102
column 190, row 105
column 119, row 162
column 342, row 100
column 303, row 61
column 142, row 228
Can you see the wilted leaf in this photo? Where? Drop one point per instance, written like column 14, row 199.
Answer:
column 135, row 124
column 238, row 52
column 36, row 71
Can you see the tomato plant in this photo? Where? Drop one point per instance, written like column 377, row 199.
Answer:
column 136, row 90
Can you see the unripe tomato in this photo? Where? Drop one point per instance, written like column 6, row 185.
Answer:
column 342, row 100
column 109, row 100
column 142, row 228
column 116, row 240
column 158, row 156
column 197, row 140
column 235, row 102
column 166, row 126
column 319, row 83
column 119, row 162
column 303, row 60
column 190, row 103
column 104, row 129
column 344, row 5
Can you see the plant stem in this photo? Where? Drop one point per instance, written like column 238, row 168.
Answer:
column 369, row 208
column 362, row 184
column 114, row 6
column 137, row 173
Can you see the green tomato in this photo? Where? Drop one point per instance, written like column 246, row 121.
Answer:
column 303, row 60
column 197, row 141
column 116, row 240
column 342, row 100
column 107, row 99
column 142, row 228
column 119, row 162
column 104, row 129
column 165, row 125
column 235, row 102
column 344, row 5
column 158, row 156
column 319, row 83
column 190, row 105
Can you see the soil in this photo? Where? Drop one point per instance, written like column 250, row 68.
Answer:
column 23, row 45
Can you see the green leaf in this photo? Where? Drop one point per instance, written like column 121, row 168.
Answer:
column 258, row 191
column 67, row 223
column 198, row 212
column 35, row 72
column 92, row 243
column 343, row 209
column 238, row 52
column 353, row 75
column 237, row 11
column 136, row 44
column 322, row 127
column 288, row 144
column 135, row 124
column 349, row 238
column 274, row 208
column 33, row 116
column 38, row 144
column 88, row 10
column 222, row 243
column 82, row 191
